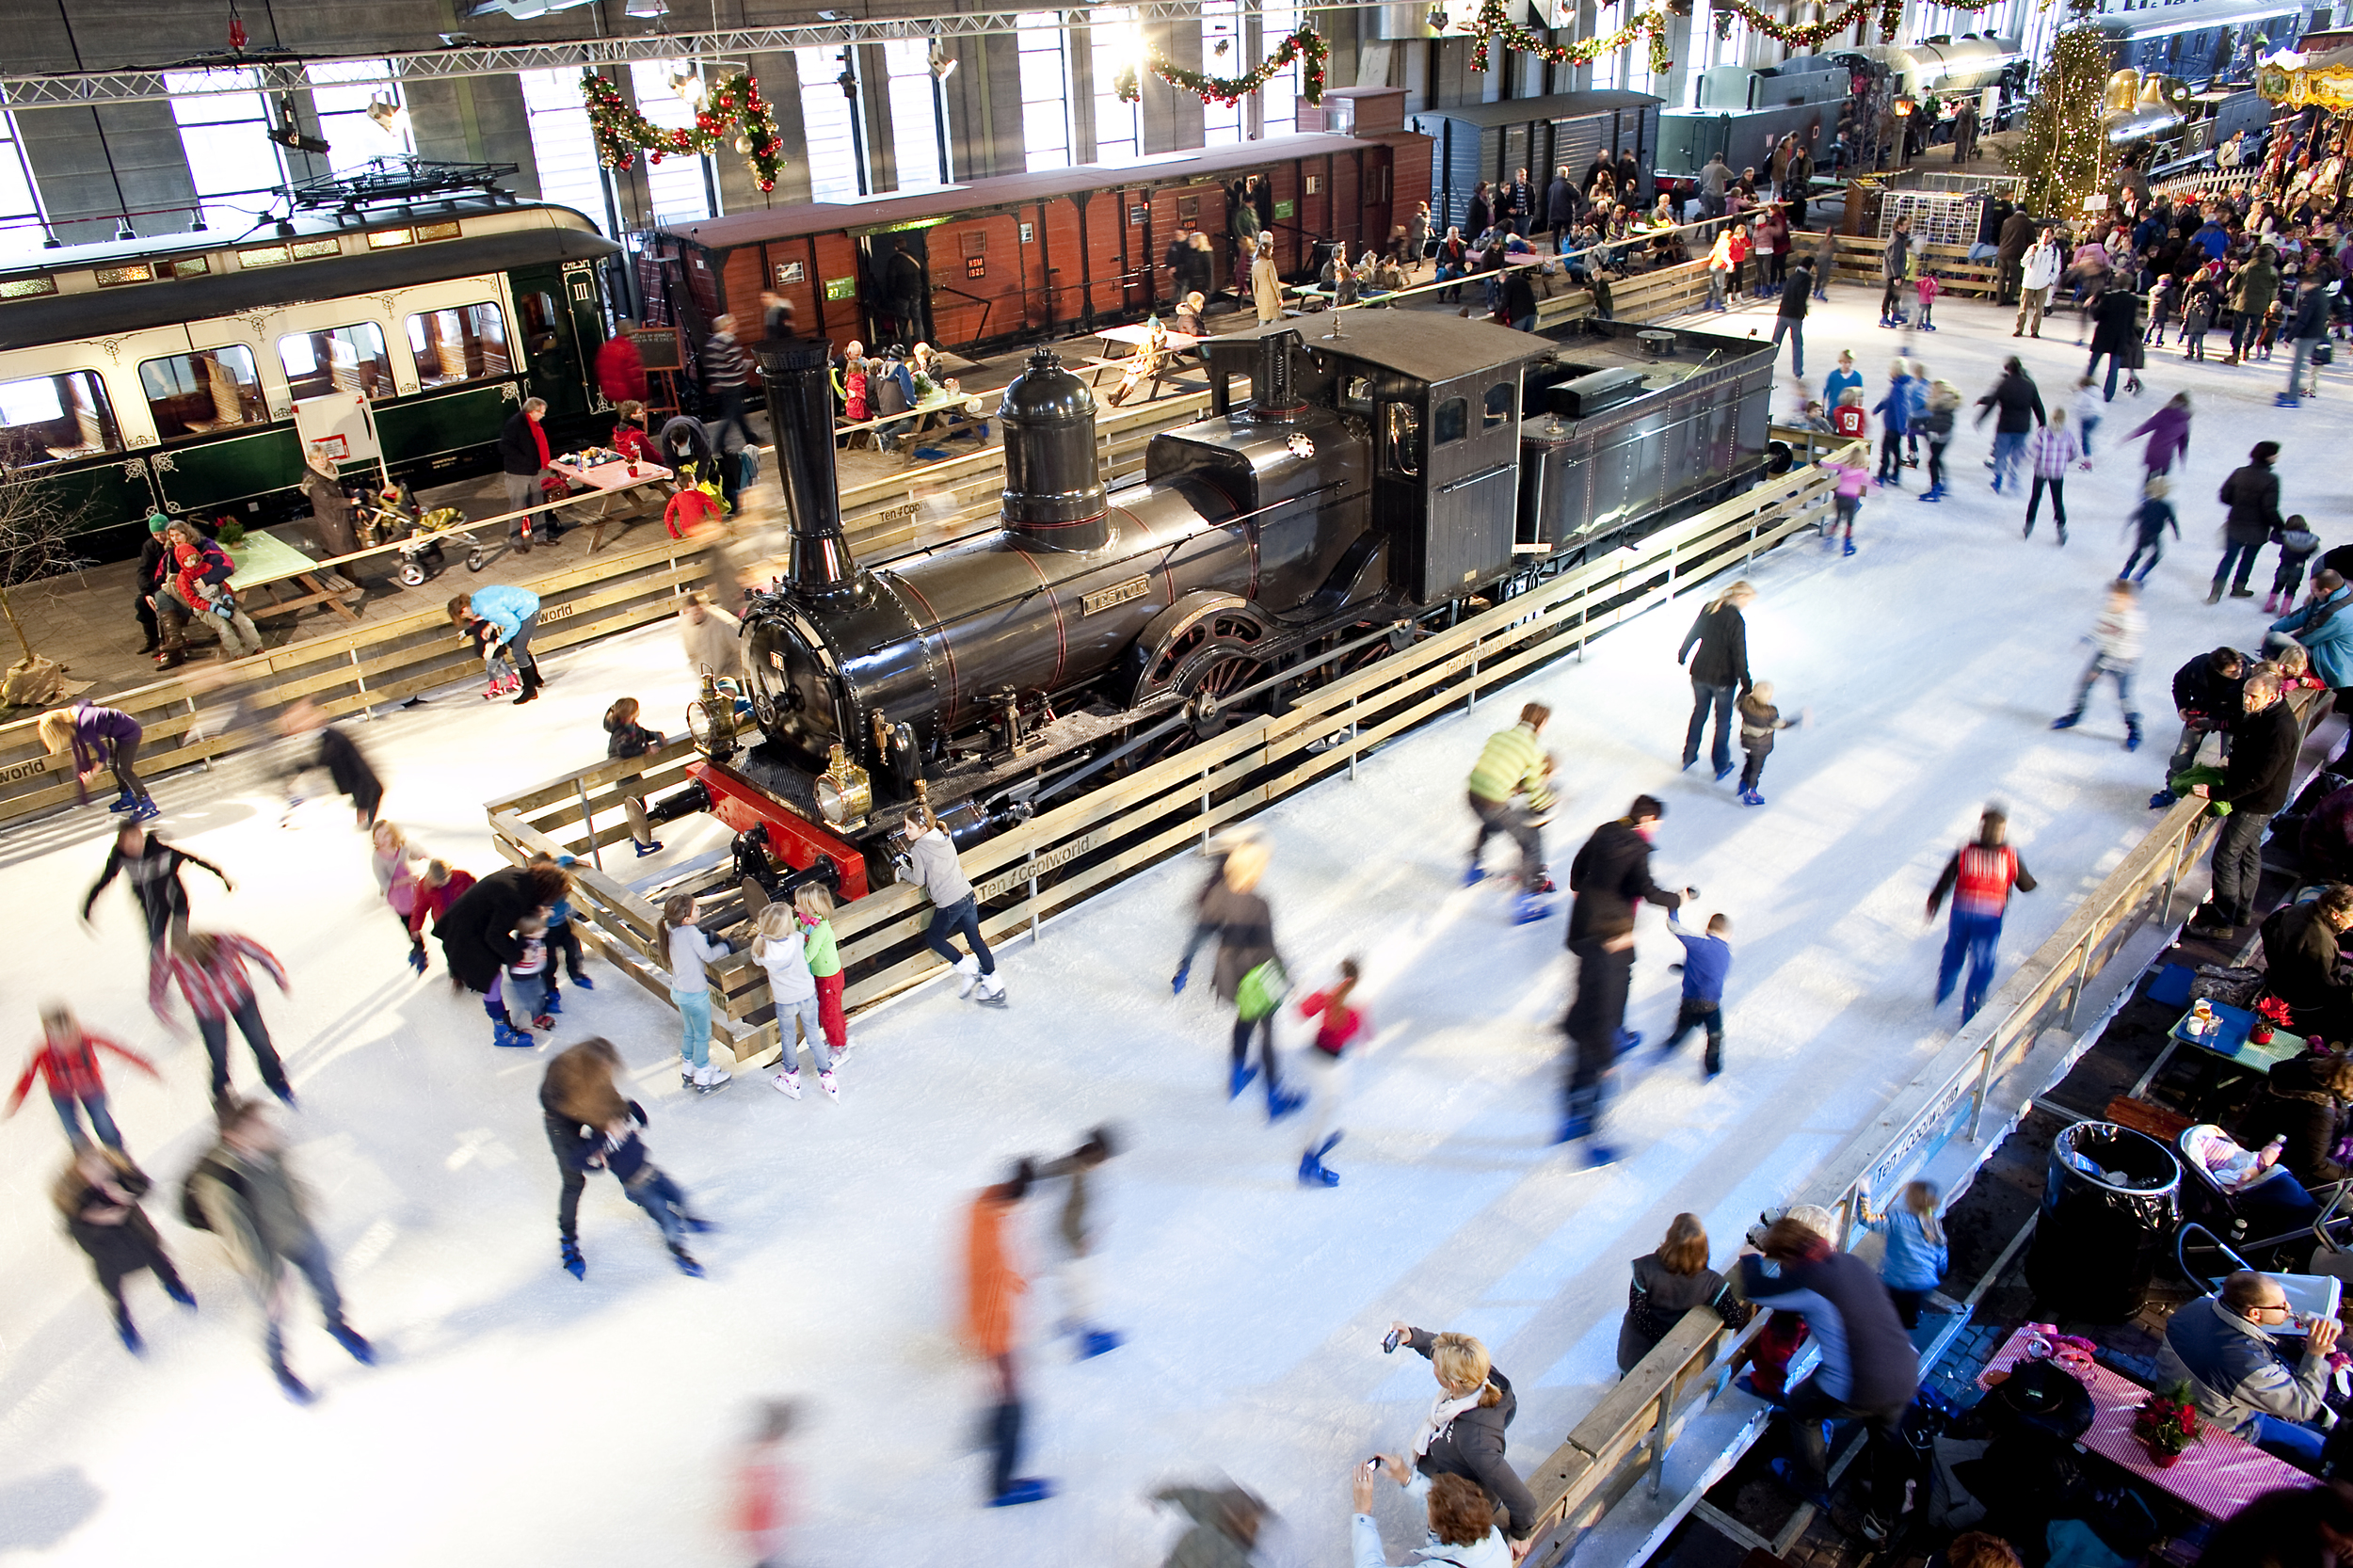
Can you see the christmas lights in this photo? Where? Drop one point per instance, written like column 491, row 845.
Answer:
column 734, row 114
column 2064, row 145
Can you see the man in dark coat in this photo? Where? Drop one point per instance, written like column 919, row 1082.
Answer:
column 2115, row 329
column 1610, row 878
column 523, row 456
column 2016, row 404
column 1628, row 174
column 2009, row 255
column 477, row 932
column 2206, row 694
column 2252, row 494
column 1561, row 206
column 1868, row 1372
column 1515, row 205
column 1722, row 636
column 2301, row 968
column 2254, row 785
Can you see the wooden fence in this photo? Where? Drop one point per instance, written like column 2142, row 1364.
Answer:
column 1070, row 851
column 1859, row 261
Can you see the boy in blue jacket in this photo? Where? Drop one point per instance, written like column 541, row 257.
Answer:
column 1706, row 960
column 515, row 613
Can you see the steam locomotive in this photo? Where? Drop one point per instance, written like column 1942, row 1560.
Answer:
column 1378, row 475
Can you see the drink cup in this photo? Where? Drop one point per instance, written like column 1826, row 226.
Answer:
column 632, row 468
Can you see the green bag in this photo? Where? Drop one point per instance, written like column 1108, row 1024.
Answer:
column 1261, row 991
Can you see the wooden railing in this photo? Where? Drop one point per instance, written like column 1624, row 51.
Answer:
column 1068, row 852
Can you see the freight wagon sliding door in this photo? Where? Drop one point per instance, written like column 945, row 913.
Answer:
column 898, row 286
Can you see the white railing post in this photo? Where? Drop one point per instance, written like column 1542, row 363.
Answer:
column 587, row 818
column 1352, row 740
column 367, row 709
column 1034, row 896
column 1985, row 1087
column 1205, row 805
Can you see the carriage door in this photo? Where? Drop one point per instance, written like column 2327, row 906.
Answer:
column 898, row 270
column 1473, row 464
column 550, row 339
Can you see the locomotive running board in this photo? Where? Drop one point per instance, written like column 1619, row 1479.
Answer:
column 792, row 838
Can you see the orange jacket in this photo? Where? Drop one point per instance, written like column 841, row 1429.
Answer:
column 991, row 1280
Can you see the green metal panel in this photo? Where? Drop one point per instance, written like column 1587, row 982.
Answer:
column 108, row 492
column 413, row 429
column 226, row 471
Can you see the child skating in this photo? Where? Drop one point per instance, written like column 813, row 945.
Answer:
column 1848, row 502
column 67, row 1058
column 1760, row 721
column 524, row 983
column 1927, row 288
column 2297, row 542
column 780, row 947
column 814, row 906
column 1339, row 1024
column 2150, row 519
column 648, row 1185
column 2115, row 638
column 1707, row 963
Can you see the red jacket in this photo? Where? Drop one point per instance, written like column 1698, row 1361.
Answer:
column 630, row 442
column 433, row 902
column 689, row 510
column 1338, row 1026
column 207, row 563
column 217, row 991
column 620, row 371
column 73, row 1070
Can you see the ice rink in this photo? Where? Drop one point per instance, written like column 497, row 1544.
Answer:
column 519, row 1417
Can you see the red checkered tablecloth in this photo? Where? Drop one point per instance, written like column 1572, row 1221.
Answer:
column 2217, row 1475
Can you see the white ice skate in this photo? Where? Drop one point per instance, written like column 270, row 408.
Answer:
column 712, row 1075
column 992, row 991
column 788, row 1084
column 969, row 968
column 825, row 1082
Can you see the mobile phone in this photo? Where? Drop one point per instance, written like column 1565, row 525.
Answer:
column 1388, row 1346
column 1373, row 1464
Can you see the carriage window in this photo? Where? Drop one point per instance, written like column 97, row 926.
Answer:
column 194, row 395
column 1452, row 419
column 538, row 318
column 1356, row 393
column 341, row 359
column 46, row 419
column 1500, row 400
column 466, row 342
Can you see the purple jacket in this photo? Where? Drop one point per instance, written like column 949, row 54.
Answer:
column 2168, row 430
column 96, row 733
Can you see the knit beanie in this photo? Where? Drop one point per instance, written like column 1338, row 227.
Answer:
column 157, row 523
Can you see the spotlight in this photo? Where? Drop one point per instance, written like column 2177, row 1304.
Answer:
column 943, row 64
column 124, row 232
column 391, row 115
column 1437, row 19
column 459, row 40
column 53, row 243
column 197, row 224
column 833, row 16
column 650, row 10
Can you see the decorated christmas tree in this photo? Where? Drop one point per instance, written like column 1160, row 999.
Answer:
column 2063, row 151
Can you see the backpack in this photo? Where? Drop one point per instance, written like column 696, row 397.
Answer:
column 748, row 473
column 1261, row 991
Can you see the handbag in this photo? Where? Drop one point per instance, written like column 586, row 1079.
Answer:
column 1261, row 991
column 2322, row 352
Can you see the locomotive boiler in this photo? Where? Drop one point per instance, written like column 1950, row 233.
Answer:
column 1373, row 478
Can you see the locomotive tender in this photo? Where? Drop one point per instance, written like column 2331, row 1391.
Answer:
column 1382, row 474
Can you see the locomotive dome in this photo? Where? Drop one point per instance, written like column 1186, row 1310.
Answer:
column 1053, row 494
column 1046, row 391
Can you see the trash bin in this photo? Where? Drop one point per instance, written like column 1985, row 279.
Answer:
column 2108, row 1207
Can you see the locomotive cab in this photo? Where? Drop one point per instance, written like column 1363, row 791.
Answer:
column 1440, row 398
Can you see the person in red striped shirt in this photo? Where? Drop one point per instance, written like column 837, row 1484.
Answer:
column 208, row 967
column 1979, row 876
column 68, row 1059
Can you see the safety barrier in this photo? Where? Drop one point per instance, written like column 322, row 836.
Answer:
column 1860, row 262
column 1630, row 1432
column 386, row 661
column 1068, row 852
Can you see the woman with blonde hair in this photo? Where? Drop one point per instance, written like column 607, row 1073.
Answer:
column 814, row 906
column 1463, row 1434
column 1669, row 1283
column 779, row 948
column 1250, row 973
column 99, row 738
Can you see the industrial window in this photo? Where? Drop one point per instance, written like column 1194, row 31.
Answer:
column 194, row 395
column 235, row 167
column 1500, row 400
column 342, row 94
column 562, row 148
column 466, row 342
column 1117, row 46
column 833, row 171
column 1278, row 101
column 1452, row 420
column 1045, row 92
column 340, row 359
column 675, row 186
column 1221, row 56
column 50, row 418
column 23, row 228
column 915, row 116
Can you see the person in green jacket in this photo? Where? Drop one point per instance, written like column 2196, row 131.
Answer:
column 814, row 906
column 1510, row 792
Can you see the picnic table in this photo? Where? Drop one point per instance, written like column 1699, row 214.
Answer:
column 2217, row 1475
column 609, row 479
column 1179, row 345
column 266, row 561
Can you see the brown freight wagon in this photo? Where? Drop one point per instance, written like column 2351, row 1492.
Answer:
column 1019, row 257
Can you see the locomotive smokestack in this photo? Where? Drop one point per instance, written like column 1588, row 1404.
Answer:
column 800, row 412
column 1271, row 397
column 1054, row 492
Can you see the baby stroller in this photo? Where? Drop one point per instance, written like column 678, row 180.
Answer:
column 2236, row 1206
column 391, row 513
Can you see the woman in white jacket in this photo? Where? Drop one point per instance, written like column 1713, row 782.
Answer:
column 1463, row 1528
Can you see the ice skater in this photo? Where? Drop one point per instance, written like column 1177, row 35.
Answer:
column 1610, row 877
column 515, row 613
column 1250, row 973
column 780, row 947
column 392, row 857
column 440, row 885
column 564, row 953
column 100, row 738
column 66, row 1059
column 992, row 1285
column 2297, row 542
column 151, row 868
column 1895, row 411
column 1936, row 424
column 99, row 1194
column 1979, row 876
column 1707, row 963
column 480, row 933
column 576, row 1099
column 688, row 948
column 1760, row 722
column 209, row 968
column 765, row 1484
column 956, row 910
column 1204, row 929
column 1339, row 1024
column 622, row 1151
column 2150, row 519
column 2050, row 453
column 814, row 906
column 1848, row 486
column 523, row 984
column 244, row 1193
column 1720, row 633
column 1078, row 1169
column 2116, row 638
column 1511, row 793
column 339, row 754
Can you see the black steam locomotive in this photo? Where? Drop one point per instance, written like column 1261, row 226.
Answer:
column 1382, row 472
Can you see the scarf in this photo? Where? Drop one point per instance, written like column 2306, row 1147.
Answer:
column 1441, row 1421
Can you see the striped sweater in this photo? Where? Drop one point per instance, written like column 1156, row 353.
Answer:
column 1510, row 763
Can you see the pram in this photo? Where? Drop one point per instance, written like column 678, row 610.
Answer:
column 391, row 513
column 2227, row 1220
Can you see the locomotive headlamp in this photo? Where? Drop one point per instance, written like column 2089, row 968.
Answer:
column 711, row 720
column 844, row 792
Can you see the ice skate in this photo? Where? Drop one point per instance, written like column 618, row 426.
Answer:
column 510, row 1038
column 179, row 1292
column 651, row 846
column 348, row 1338
column 553, row 1006
column 128, row 1331
column 2066, row 721
column 1238, row 1080
column 686, row 1261
column 543, row 1020
column 1028, row 1489
column 1312, row 1173
column 2132, row 732
column 1599, row 1153
column 1176, row 981
column 968, row 969
column 295, row 1388
column 991, row 992
column 1474, row 876
column 712, row 1075
column 148, row 811
column 584, row 982
column 1281, row 1103
column 1750, row 797
column 788, row 1084
column 2271, row 602
column 1530, row 907
column 831, row 1085
column 569, row 1252
column 1850, row 548
column 1098, row 1341
column 2162, row 800
column 1724, row 769
column 126, row 801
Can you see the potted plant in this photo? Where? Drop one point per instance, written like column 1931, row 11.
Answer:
column 2270, row 1014
column 2167, row 1424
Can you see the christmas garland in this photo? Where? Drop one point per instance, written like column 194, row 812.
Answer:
column 1495, row 27
column 622, row 133
column 1225, row 91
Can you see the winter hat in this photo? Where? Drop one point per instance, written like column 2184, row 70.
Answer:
column 157, row 523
